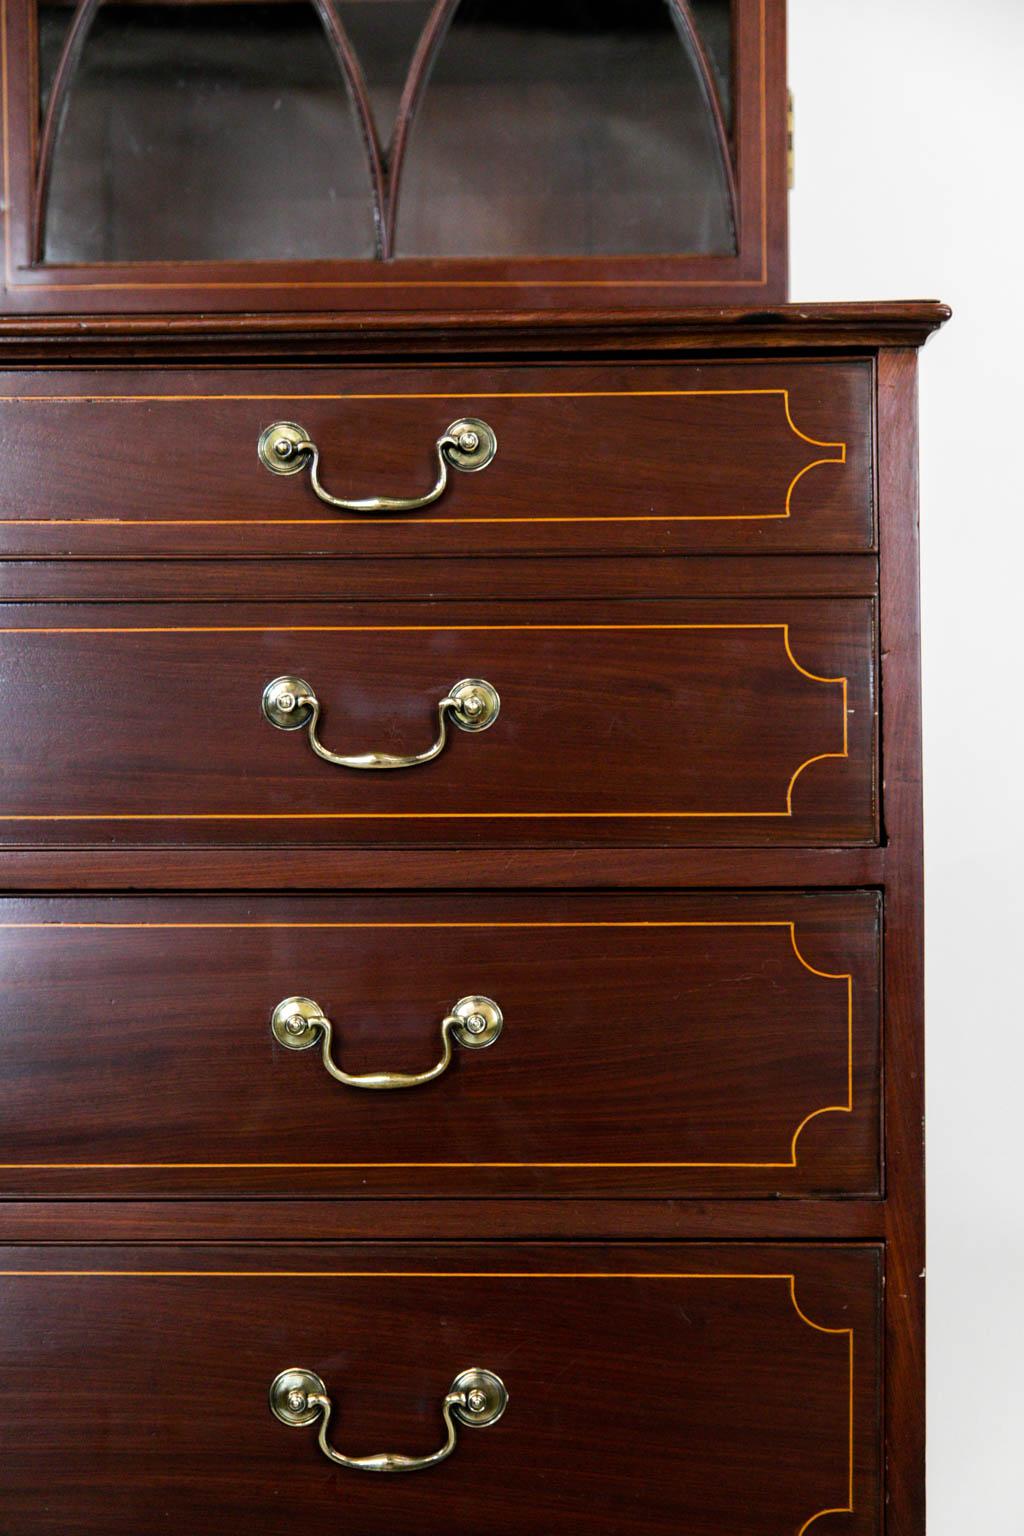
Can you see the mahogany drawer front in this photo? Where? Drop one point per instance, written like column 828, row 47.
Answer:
column 730, row 1387
column 651, row 1045
column 743, row 458
column 701, row 722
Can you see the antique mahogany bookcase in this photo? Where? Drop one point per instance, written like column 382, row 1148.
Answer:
column 460, row 638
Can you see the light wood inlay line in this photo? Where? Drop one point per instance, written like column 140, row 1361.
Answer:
column 232, row 816
column 788, row 926
column 391, row 1274
column 467, row 406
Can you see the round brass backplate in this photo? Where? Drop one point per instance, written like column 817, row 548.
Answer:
column 473, row 444
column 288, row 1397
column 476, row 704
column 280, row 706
column 486, row 1398
column 481, row 1024
column 278, row 448
column 289, row 1012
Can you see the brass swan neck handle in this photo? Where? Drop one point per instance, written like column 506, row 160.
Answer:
column 289, row 703
column 298, row 1023
column 468, row 445
column 476, row 1398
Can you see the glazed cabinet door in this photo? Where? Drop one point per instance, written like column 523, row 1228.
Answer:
column 518, row 1389
column 409, row 154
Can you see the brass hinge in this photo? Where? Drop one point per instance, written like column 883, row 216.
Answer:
column 790, row 154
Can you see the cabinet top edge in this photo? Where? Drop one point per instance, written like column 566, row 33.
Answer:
column 345, row 336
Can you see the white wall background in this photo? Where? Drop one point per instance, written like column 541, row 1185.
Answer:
column 910, row 147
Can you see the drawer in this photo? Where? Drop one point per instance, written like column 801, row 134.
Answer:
column 649, row 1045
column 703, row 457
column 701, row 722
column 728, row 1388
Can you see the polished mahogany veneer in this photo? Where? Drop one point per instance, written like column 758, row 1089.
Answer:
column 721, row 723
column 659, row 1044
column 722, row 1382
column 542, row 1118
column 697, row 458
column 676, row 1205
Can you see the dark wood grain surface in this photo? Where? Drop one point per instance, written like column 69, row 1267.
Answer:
column 333, row 578
column 904, row 942
column 274, row 1221
column 334, row 868
column 439, row 335
column 725, row 1388
column 652, row 1045
column 718, row 723
column 68, row 1467
column 748, row 458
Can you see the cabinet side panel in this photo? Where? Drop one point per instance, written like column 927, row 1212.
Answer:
column 904, row 968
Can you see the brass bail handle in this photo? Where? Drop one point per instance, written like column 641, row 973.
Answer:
column 298, row 1023
column 468, row 445
column 476, row 1398
column 289, row 703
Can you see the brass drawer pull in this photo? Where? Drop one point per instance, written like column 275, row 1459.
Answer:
column 476, row 1398
column 289, row 703
column 299, row 1023
column 468, row 445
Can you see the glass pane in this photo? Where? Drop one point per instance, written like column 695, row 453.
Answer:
column 206, row 131
column 566, row 127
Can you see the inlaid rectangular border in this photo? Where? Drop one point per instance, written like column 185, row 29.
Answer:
column 233, row 816
column 782, row 923
column 838, row 457
column 391, row 1274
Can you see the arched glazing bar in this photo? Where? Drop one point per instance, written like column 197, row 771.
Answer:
column 67, row 64
column 686, row 24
